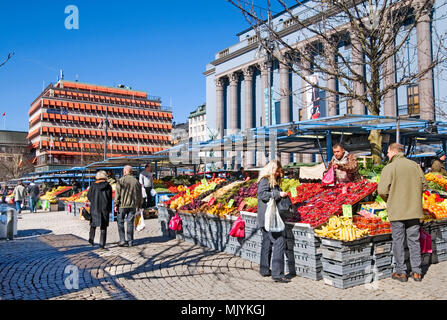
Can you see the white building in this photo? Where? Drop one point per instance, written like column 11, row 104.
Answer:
column 198, row 124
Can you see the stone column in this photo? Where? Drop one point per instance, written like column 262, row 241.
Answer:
column 305, row 70
column 220, row 107
column 357, row 65
column 389, row 100
column 331, row 98
column 248, row 156
column 284, row 72
column 265, row 73
column 426, row 101
column 234, row 110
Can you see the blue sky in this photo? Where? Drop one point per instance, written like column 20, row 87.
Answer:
column 161, row 47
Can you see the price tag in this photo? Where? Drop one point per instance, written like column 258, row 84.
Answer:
column 211, row 202
column 204, row 181
column 241, row 206
column 347, row 210
column 187, row 191
column 230, row 203
column 293, row 192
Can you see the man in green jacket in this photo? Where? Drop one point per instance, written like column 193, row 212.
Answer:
column 128, row 198
column 401, row 185
column 438, row 164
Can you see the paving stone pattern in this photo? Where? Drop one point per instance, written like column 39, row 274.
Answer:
column 36, row 265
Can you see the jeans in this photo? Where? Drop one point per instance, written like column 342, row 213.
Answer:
column 19, row 206
column 275, row 241
column 149, row 200
column 33, row 204
column 408, row 229
column 126, row 215
column 102, row 239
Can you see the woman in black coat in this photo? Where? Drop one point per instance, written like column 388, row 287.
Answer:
column 100, row 197
column 268, row 188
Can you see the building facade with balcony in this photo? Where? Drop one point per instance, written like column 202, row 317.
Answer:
column 237, row 80
column 68, row 123
column 197, row 124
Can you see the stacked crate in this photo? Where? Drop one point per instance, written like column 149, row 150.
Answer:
column 250, row 246
column 164, row 216
column 438, row 231
column 303, row 251
column 346, row 264
column 382, row 257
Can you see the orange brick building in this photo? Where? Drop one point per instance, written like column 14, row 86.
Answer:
column 67, row 124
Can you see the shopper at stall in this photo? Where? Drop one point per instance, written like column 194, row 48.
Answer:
column 34, row 193
column 438, row 165
column 4, row 193
column 268, row 188
column 76, row 186
column 100, row 197
column 110, row 179
column 401, row 185
column 345, row 165
column 19, row 195
column 147, row 182
column 128, row 199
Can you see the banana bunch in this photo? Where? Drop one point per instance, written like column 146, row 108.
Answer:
column 341, row 229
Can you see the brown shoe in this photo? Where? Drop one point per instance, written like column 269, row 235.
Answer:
column 416, row 276
column 401, row 277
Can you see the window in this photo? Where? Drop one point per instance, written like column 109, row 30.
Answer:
column 349, row 106
column 300, row 115
column 413, row 99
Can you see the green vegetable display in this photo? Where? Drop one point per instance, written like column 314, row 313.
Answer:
column 251, row 202
column 288, row 184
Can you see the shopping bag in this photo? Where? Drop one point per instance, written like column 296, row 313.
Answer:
column 425, row 240
column 238, row 229
column 273, row 221
column 175, row 223
column 139, row 221
column 143, row 192
column 329, row 177
column 153, row 192
column 84, row 214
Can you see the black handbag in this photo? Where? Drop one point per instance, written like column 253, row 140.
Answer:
column 87, row 216
column 285, row 208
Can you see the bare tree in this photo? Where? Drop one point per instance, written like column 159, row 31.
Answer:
column 377, row 30
column 15, row 166
column 9, row 57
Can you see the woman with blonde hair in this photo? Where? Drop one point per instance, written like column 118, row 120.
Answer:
column 268, row 188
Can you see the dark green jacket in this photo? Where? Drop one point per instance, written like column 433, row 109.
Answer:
column 128, row 193
column 401, row 185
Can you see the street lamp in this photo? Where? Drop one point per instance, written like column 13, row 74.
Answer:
column 105, row 124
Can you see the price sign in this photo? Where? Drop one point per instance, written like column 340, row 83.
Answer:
column 230, row 203
column 293, row 192
column 211, row 202
column 204, row 181
column 347, row 210
column 187, row 191
column 241, row 206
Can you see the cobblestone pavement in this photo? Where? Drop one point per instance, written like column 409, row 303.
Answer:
column 32, row 267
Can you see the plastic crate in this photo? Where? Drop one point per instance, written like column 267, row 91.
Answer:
column 347, row 281
column 301, row 231
column 440, row 245
column 304, row 271
column 347, row 253
column 251, row 219
column 371, row 210
column 440, row 257
column 304, row 259
column 250, row 232
column 298, row 246
column 382, row 260
column 346, row 268
column 233, row 249
column 341, row 244
column 382, row 247
column 250, row 255
column 251, row 245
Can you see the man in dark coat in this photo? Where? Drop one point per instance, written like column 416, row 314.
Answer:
column 100, row 197
column 33, row 192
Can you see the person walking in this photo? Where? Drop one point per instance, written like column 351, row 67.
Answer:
column 345, row 165
column 128, row 199
column 147, row 181
column 401, row 185
column 100, row 197
column 4, row 193
column 19, row 195
column 438, row 165
column 272, row 242
column 34, row 193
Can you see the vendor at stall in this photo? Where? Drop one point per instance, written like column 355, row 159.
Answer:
column 147, row 182
column 345, row 165
column 438, row 165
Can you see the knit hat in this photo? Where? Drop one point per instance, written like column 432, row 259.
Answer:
column 440, row 153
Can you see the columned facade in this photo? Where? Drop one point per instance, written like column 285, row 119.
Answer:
column 358, row 67
column 249, row 159
column 220, row 123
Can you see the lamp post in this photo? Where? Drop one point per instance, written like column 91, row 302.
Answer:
column 105, row 124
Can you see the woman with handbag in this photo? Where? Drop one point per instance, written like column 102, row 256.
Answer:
column 100, row 197
column 268, row 188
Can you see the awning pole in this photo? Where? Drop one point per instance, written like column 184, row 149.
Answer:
column 397, row 131
column 328, row 147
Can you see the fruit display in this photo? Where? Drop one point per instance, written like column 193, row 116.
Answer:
column 374, row 225
column 434, row 205
column 162, row 190
column 341, row 228
column 288, row 184
column 79, row 197
column 437, row 178
column 52, row 196
column 224, row 190
column 306, row 191
column 221, row 210
column 436, row 187
column 318, row 209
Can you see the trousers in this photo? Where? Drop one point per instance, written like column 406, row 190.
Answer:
column 126, row 215
column 102, row 239
column 273, row 243
column 33, row 204
column 19, row 206
column 409, row 230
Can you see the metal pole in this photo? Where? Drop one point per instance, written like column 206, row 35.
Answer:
column 397, row 131
column 329, row 153
column 105, row 137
